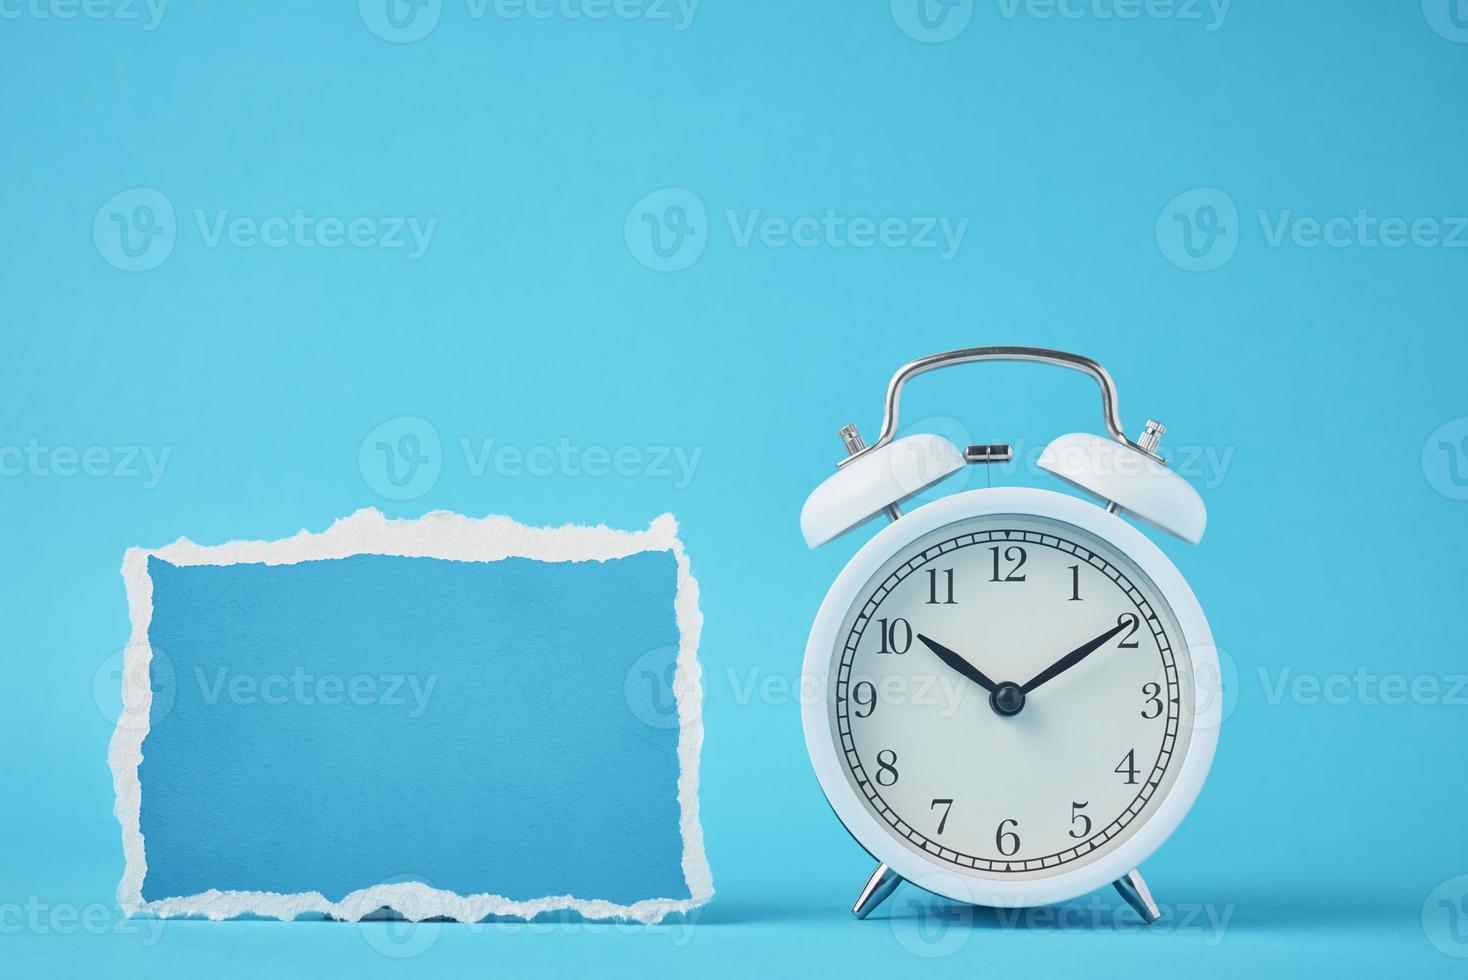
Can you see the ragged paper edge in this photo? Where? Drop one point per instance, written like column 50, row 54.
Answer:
column 440, row 534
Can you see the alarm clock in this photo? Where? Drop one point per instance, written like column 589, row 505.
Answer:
column 1008, row 698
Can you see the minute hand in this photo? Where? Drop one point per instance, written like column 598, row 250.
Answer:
column 1071, row 659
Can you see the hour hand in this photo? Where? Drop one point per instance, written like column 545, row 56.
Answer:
column 959, row 664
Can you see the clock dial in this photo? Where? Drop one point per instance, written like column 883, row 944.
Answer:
column 1009, row 697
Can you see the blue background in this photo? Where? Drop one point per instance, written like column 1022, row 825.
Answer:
column 1323, row 375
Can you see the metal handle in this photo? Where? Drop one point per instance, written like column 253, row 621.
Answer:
column 968, row 355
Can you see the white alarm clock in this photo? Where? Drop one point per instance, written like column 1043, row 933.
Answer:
column 1010, row 697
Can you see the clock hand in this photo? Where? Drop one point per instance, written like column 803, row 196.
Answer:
column 959, row 664
column 1071, row 659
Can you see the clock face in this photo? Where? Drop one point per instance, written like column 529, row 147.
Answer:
column 1011, row 696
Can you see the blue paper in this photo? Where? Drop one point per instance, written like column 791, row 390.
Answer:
column 480, row 728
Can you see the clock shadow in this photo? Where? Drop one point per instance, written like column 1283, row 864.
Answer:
column 929, row 917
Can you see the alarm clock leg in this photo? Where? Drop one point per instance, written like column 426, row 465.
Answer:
column 879, row 886
column 1134, row 889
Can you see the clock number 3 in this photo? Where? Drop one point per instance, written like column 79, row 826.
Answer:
column 1152, row 691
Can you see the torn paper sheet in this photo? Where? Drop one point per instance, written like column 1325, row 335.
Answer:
column 445, row 716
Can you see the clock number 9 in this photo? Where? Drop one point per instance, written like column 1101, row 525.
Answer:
column 869, row 701
column 1007, row 840
column 896, row 637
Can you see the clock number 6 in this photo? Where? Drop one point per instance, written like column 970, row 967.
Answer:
column 1007, row 840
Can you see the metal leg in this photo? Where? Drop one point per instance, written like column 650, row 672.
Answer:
column 879, row 886
column 1134, row 889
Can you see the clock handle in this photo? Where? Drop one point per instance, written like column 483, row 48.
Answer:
column 1037, row 355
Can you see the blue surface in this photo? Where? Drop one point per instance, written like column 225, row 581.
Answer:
column 332, row 725
column 1328, row 379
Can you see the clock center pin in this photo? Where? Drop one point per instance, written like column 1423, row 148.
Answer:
column 1007, row 699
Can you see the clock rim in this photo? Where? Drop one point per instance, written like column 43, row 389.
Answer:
column 953, row 881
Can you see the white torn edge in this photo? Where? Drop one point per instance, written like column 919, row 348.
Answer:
column 440, row 534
